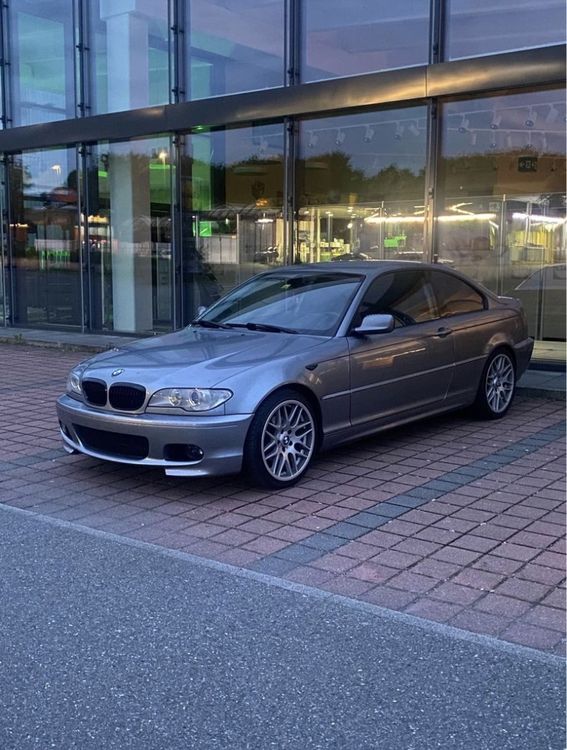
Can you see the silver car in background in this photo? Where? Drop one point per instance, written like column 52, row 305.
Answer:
column 297, row 360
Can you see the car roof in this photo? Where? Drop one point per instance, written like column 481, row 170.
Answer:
column 366, row 267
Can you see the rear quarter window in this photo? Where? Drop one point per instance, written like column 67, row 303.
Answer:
column 455, row 296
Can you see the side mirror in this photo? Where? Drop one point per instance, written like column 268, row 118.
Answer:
column 375, row 324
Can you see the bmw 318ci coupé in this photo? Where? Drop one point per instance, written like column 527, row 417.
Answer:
column 297, row 360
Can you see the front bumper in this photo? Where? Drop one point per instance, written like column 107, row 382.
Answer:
column 220, row 438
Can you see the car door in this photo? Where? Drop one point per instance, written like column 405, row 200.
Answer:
column 406, row 371
column 463, row 311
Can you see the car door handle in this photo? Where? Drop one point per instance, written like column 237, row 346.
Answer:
column 442, row 332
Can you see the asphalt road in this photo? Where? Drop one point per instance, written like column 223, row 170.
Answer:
column 104, row 645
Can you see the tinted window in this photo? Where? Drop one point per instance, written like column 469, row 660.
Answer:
column 406, row 295
column 455, row 296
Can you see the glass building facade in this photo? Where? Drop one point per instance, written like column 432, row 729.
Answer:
column 155, row 153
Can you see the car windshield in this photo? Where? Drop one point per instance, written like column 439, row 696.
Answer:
column 311, row 303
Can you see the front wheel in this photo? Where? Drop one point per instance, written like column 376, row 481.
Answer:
column 281, row 441
column 497, row 386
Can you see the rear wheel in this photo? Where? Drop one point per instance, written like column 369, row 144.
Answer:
column 281, row 441
column 497, row 386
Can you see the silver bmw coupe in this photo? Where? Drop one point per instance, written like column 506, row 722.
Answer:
column 297, row 360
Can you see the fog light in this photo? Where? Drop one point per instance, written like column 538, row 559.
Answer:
column 182, row 452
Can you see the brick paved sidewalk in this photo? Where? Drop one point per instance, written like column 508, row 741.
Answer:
column 449, row 519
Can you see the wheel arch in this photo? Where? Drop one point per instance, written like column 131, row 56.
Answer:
column 309, row 395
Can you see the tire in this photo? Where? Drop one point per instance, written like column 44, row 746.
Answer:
column 497, row 386
column 282, row 440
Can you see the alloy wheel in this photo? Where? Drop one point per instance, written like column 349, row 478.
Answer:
column 500, row 383
column 288, row 440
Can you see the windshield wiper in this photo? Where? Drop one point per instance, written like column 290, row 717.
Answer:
column 208, row 324
column 262, row 327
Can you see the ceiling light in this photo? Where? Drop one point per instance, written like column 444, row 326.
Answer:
column 340, row 139
column 464, row 126
column 496, row 120
column 312, row 140
column 399, row 132
column 531, row 119
column 413, row 128
column 368, row 134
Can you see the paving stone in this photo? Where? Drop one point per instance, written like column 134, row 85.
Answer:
column 400, row 519
column 298, row 553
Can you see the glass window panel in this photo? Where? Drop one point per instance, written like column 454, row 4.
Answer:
column 232, row 220
column 455, row 297
column 234, row 45
column 45, row 230
column 405, row 294
column 346, row 38
column 42, row 56
column 482, row 27
column 129, row 236
column 360, row 187
column 3, row 249
column 130, row 49
column 502, row 202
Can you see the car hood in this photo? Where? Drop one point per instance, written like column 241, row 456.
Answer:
column 195, row 357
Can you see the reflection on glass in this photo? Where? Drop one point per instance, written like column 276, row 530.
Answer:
column 231, row 199
column 130, row 50
column 342, row 39
column 234, row 45
column 502, row 182
column 45, row 238
column 360, row 187
column 482, row 27
column 129, row 236
column 42, row 59
column 311, row 303
column 3, row 250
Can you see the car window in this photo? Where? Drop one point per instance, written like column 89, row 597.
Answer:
column 455, row 296
column 312, row 303
column 406, row 295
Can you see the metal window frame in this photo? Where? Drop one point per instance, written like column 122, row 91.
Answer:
column 428, row 85
column 501, row 72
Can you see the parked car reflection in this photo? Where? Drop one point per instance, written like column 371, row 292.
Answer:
column 543, row 297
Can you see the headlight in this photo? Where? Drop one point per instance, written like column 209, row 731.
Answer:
column 73, row 387
column 190, row 399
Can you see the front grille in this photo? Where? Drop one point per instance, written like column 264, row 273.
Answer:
column 95, row 392
column 113, row 443
column 126, row 397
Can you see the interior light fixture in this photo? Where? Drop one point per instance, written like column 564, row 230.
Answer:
column 464, row 126
column 399, row 131
column 368, row 134
column 413, row 128
column 474, row 138
column 340, row 139
column 496, row 120
column 531, row 119
column 312, row 139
